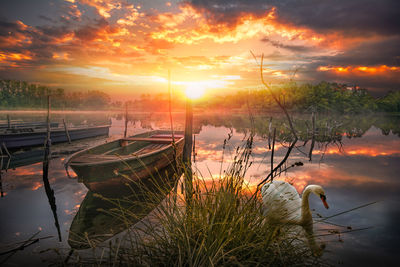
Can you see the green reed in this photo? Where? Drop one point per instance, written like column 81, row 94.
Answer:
column 224, row 225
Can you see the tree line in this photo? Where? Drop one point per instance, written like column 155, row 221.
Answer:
column 20, row 94
column 323, row 97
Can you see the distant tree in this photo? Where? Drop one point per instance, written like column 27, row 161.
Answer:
column 390, row 102
column 96, row 99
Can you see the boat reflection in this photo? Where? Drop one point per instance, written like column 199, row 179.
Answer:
column 114, row 208
column 22, row 158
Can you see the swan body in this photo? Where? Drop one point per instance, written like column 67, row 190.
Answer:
column 282, row 203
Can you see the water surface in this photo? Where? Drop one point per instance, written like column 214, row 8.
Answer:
column 356, row 164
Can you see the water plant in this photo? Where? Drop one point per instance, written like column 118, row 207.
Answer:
column 224, row 225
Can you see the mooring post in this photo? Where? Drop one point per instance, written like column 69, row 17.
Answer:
column 1, row 184
column 272, row 154
column 313, row 136
column 194, row 148
column 47, row 142
column 269, row 133
column 8, row 121
column 126, row 119
column 1, row 170
column 66, row 131
column 170, row 105
column 187, row 153
column 47, row 187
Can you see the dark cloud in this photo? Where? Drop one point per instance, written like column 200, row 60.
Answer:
column 293, row 48
column 378, row 53
column 45, row 18
column 228, row 12
column 355, row 17
column 90, row 32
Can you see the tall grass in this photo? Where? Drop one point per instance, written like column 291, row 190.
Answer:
column 224, row 226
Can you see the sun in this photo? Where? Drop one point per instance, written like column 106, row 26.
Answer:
column 194, row 91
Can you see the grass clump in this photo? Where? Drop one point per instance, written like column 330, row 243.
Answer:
column 223, row 226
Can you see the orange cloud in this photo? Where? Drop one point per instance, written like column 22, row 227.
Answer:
column 360, row 70
column 329, row 176
column 103, row 7
column 384, row 149
column 36, row 186
column 11, row 59
column 191, row 26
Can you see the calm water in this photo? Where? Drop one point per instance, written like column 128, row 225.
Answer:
column 353, row 171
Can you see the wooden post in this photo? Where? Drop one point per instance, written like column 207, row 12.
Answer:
column 187, row 150
column 187, row 153
column 126, row 119
column 8, row 121
column 1, row 184
column 313, row 136
column 46, row 159
column 1, row 170
column 269, row 133
column 272, row 155
column 47, row 142
column 8, row 155
column 194, row 148
column 66, row 131
column 170, row 105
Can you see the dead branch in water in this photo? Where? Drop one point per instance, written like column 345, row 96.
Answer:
column 282, row 106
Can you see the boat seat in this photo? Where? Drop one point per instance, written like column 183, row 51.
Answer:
column 152, row 140
column 88, row 158
column 176, row 136
column 148, row 149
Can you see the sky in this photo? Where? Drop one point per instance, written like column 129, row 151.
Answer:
column 126, row 47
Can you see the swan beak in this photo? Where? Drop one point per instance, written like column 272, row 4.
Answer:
column 323, row 198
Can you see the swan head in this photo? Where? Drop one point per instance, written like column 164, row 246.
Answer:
column 319, row 191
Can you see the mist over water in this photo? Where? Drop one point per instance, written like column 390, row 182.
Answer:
column 357, row 163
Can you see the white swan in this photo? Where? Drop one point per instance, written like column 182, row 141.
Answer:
column 282, row 203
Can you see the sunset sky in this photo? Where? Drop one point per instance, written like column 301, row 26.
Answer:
column 126, row 47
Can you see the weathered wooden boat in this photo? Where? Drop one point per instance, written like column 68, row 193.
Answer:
column 27, row 125
column 100, row 215
column 27, row 137
column 126, row 159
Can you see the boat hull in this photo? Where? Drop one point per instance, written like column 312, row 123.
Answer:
column 37, row 138
column 125, row 169
column 28, row 124
column 96, row 178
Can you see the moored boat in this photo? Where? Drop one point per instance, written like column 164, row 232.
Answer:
column 28, row 137
column 132, row 158
column 27, row 124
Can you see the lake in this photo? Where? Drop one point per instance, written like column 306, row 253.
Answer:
column 355, row 159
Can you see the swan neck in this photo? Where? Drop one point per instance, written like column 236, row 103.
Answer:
column 306, row 216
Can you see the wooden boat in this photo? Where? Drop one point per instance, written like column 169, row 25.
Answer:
column 27, row 137
column 27, row 125
column 128, row 158
column 100, row 217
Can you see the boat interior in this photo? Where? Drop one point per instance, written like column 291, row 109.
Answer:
column 131, row 146
column 136, row 145
column 142, row 145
